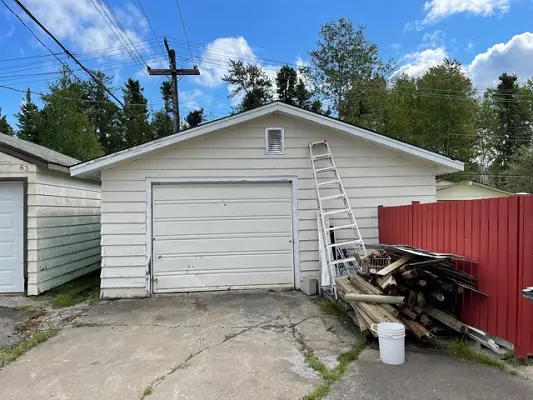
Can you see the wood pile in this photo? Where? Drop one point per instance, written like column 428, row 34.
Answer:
column 419, row 289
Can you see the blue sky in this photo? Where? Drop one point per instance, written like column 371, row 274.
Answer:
column 487, row 36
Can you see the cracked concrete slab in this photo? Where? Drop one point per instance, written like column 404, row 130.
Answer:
column 428, row 376
column 238, row 345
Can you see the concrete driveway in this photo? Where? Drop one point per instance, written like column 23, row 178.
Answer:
column 232, row 345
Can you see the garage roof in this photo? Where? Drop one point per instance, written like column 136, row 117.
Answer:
column 442, row 163
column 34, row 153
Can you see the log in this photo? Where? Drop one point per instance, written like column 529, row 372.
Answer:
column 404, row 268
column 422, row 283
column 394, row 266
column 425, row 320
column 367, row 319
column 373, row 298
column 437, row 296
column 418, row 310
column 446, row 319
column 367, row 288
column 411, row 300
column 416, row 329
column 408, row 313
column 410, row 274
column 363, row 326
column 388, row 283
column 421, row 299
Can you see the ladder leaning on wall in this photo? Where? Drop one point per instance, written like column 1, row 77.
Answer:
column 342, row 256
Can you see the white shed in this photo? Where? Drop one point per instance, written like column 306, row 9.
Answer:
column 467, row 190
column 49, row 221
column 231, row 204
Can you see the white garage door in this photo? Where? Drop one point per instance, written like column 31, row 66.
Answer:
column 11, row 237
column 222, row 236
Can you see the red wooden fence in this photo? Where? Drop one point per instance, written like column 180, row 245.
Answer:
column 498, row 235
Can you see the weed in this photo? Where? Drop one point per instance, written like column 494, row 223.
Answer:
column 9, row 354
column 148, row 390
column 27, row 307
column 86, row 288
column 330, row 376
column 463, row 349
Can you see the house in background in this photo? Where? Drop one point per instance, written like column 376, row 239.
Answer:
column 231, row 204
column 467, row 190
column 49, row 221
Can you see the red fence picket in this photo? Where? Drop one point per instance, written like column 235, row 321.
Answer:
column 498, row 235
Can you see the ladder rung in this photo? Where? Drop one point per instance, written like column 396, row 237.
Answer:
column 334, row 228
column 336, row 181
column 325, row 169
column 343, row 260
column 317, row 143
column 321, row 156
column 337, row 196
column 344, row 210
column 345, row 243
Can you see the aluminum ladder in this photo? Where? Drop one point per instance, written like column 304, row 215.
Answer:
column 326, row 176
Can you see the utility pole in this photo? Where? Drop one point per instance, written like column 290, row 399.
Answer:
column 174, row 73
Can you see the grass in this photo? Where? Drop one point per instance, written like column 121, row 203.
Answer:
column 463, row 349
column 27, row 307
column 86, row 288
column 147, row 392
column 9, row 354
column 331, row 376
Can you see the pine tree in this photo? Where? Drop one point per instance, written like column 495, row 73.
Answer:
column 195, row 117
column 29, row 120
column 66, row 127
column 286, row 81
column 5, row 128
column 162, row 123
column 135, row 115
column 103, row 114
column 250, row 81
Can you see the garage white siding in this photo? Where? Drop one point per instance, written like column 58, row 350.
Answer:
column 212, row 236
column 63, row 229
column 371, row 176
column 63, row 224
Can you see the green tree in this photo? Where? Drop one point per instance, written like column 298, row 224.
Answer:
column 513, row 129
column 29, row 120
column 103, row 113
column 249, row 81
column 66, row 126
column 286, row 81
column 519, row 176
column 343, row 62
column 195, row 117
column 162, row 123
column 135, row 115
column 5, row 128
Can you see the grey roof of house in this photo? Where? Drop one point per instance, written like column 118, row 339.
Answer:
column 36, row 151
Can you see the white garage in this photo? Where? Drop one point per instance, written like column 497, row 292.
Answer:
column 231, row 204
column 49, row 221
column 222, row 235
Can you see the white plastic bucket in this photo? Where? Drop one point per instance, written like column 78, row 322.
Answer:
column 391, row 342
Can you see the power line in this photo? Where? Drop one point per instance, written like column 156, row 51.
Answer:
column 151, row 27
column 68, row 53
column 184, row 30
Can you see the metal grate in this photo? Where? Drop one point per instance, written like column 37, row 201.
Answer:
column 274, row 139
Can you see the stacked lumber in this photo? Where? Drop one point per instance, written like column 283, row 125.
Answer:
column 419, row 289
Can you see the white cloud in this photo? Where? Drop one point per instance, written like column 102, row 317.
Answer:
column 80, row 22
column 214, row 60
column 433, row 40
column 190, row 98
column 418, row 62
column 437, row 10
column 515, row 56
column 154, row 63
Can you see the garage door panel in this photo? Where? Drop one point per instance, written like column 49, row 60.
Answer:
column 212, row 263
column 220, row 236
column 216, row 244
column 222, row 209
column 237, row 191
column 235, row 280
column 11, row 237
column 245, row 225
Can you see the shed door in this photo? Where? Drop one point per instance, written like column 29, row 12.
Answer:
column 220, row 236
column 11, row 237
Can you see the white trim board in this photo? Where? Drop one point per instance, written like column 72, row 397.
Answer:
column 293, row 180
column 442, row 163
